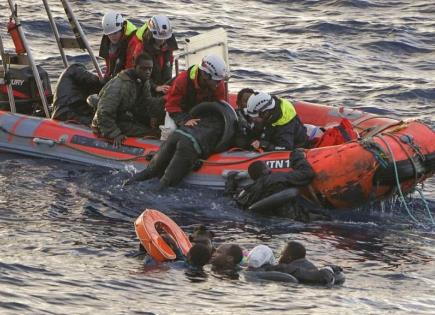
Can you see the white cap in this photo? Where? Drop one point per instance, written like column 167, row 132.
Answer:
column 261, row 255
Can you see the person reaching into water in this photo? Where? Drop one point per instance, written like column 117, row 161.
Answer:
column 293, row 261
column 116, row 46
column 75, row 84
column 196, row 137
column 125, row 104
column 156, row 38
column 277, row 118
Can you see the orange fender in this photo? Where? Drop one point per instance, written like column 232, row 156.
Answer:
column 155, row 245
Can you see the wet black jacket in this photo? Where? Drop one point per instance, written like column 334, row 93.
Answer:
column 285, row 137
column 301, row 175
column 74, row 86
column 305, row 271
column 206, row 133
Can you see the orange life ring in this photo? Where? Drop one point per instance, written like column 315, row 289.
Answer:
column 155, row 245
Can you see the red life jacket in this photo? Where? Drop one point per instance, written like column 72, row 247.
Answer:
column 337, row 135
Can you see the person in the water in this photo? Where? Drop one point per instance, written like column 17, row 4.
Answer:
column 293, row 262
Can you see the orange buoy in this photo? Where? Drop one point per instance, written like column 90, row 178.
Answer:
column 150, row 238
column 16, row 38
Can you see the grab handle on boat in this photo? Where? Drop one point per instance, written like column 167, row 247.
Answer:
column 48, row 142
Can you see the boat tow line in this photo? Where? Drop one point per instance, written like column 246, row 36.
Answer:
column 401, row 196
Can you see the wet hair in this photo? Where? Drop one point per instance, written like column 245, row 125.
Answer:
column 235, row 251
column 142, row 56
column 258, row 169
column 198, row 255
column 201, row 235
column 241, row 92
column 228, row 259
column 292, row 251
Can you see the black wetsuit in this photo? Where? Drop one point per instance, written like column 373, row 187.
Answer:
column 74, row 86
column 177, row 156
column 298, row 208
column 305, row 271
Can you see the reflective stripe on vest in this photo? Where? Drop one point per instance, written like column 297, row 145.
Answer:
column 288, row 113
column 141, row 30
column 129, row 29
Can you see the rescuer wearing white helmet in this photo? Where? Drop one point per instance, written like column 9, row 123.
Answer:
column 282, row 128
column 156, row 38
column 196, row 136
column 115, row 47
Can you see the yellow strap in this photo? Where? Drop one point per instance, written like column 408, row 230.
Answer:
column 141, row 30
column 288, row 113
column 193, row 72
column 130, row 28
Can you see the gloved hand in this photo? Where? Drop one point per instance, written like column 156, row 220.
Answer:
column 117, row 141
column 328, row 276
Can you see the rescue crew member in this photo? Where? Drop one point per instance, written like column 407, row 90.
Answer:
column 282, row 128
column 75, row 84
column 156, row 38
column 200, row 83
column 116, row 44
column 195, row 137
column 126, row 104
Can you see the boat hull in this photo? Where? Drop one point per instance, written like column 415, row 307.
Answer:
column 347, row 175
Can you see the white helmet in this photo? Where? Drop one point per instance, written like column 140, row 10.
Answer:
column 214, row 66
column 160, row 27
column 258, row 103
column 112, row 22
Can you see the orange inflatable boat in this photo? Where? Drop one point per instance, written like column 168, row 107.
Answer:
column 388, row 151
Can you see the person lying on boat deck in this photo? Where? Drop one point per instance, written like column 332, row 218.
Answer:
column 282, row 128
column 156, row 38
column 116, row 44
column 200, row 83
column 178, row 155
column 125, row 105
column 75, row 84
column 294, row 262
column 266, row 184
